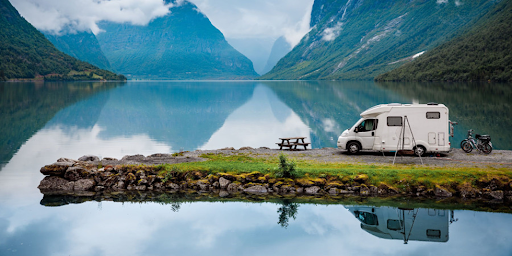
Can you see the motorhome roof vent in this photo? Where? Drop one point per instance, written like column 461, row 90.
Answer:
column 432, row 104
column 394, row 104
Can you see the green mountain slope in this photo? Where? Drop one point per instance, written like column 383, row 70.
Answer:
column 81, row 45
column 356, row 39
column 483, row 52
column 26, row 53
column 181, row 45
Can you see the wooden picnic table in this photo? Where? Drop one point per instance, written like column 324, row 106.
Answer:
column 299, row 141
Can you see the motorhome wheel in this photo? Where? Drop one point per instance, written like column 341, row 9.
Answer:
column 419, row 150
column 353, row 147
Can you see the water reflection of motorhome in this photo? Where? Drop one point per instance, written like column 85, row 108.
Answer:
column 403, row 223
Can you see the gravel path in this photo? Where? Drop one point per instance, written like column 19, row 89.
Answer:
column 456, row 158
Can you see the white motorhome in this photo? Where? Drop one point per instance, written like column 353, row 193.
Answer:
column 390, row 127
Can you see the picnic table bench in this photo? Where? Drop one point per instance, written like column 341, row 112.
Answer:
column 299, row 141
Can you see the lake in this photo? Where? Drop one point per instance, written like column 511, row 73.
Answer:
column 41, row 122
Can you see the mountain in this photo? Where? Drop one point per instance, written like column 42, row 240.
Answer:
column 483, row 52
column 26, row 53
column 181, row 45
column 81, row 45
column 256, row 49
column 280, row 48
column 357, row 39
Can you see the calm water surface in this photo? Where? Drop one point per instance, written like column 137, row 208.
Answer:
column 41, row 122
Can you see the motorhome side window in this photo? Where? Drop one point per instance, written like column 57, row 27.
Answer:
column 394, row 121
column 433, row 115
column 367, row 125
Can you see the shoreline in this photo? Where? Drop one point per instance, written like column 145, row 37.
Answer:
column 231, row 172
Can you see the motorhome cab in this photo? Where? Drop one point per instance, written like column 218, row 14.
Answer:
column 388, row 127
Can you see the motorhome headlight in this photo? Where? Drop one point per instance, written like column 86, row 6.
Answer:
column 345, row 133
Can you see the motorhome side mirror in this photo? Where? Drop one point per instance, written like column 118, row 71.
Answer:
column 356, row 130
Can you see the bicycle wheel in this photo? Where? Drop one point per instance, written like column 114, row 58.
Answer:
column 487, row 148
column 462, row 142
column 467, row 147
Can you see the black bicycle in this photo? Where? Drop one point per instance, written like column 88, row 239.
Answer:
column 480, row 142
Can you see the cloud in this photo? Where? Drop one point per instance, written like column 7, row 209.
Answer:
column 259, row 18
column 59, row 16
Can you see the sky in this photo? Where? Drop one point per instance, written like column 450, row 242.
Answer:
column 234, row 18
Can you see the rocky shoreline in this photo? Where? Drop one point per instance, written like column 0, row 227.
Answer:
column 89, row 176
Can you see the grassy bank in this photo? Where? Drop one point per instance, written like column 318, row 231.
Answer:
column 403, row 178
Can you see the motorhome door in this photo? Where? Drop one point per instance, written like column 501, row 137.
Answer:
column 366, row 132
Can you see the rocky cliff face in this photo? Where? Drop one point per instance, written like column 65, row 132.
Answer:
column 81, row 45
column 356, row 39
column 280, row 48
column 181, row 45
column 483, row 52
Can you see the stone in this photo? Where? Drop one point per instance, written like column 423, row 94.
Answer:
column 89, row 158
column 133, row 158
column 56, row 169
column 312, row 190
column 84, row 184
column 119, row 186
column 54, row 183
column 364, row 191
column 232, row 187
column 140, row 188
column 223, row 193
column 228, row 148
column 62, row 159
column 99, row 188
column 441, row 192
column 495, row 195
column 246, row 148
column 173, row 186
column 264, row 148
column 73, row 173
column 224, row 182
column 373, row 190
column 109, row 159
column 203, row 185
column 256, row 189
column 216, row 184
column 300, row 190
column 344, row 192
column 333, row 191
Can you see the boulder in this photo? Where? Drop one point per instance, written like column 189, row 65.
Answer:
column 84, row 184
column 312, row 190
column 89, row 158
column 173, row 186
column 246, row 148
column 364, row 190
column 344, row 192
column 62, row 159
column 256, row 189
column 333, row 191
column 495, row 195
column 232, row 187
column 204, row 185
column 441, row 192
column 74, row 173
column 224, row 182
column 54, row 183
column 56, row 169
